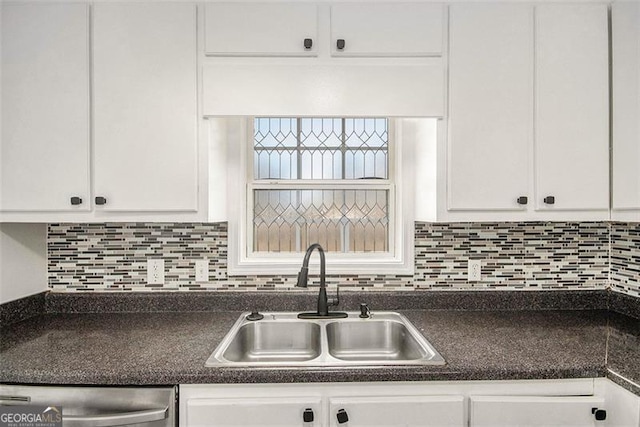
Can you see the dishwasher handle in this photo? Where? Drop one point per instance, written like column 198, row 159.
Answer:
column 14, row 400
column 117, row 419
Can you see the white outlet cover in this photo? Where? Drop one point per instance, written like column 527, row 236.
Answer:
column 202, row 270
column 474, row 270
column 155, row 271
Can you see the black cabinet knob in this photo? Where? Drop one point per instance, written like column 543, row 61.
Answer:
column 600, row 414
column 101, row 201
column 75, row 200
column 307, row 415
column 308, row 43
column 340, row 44
column 342, row 416
column 549, row 200
column 523, row 200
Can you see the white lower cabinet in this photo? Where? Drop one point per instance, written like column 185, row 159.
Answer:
column 248, row 412
column 496, row 411
column 574, row 402
column 397, row 411
column 319, row 405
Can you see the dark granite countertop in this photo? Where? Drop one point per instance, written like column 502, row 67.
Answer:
column 165, row 338
column 623, row 350
column 171, row 348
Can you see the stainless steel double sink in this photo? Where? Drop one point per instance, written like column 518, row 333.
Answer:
column 281, row 339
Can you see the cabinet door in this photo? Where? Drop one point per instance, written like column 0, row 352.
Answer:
column 523, row 411
column 45, row 107
column 261, row 29
column 405, row 411
column 145, row 121
column 490, row 105
column 572, row 108
column 623, row 407
column 386, row 29
column 625, row 18
column 252, row 412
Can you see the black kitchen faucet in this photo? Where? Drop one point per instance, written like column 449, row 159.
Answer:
column 323, row 301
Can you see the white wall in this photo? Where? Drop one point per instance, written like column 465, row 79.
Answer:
column 218, row 163
column 425, row 134
column 23, row 260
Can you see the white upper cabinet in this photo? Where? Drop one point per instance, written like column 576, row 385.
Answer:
column 528, row 130
column 44, row 153
column 256, row 62
column 387, row 29
column 294, row 29
column 261, row 29
column 490, row 106
column 625, row 18
column 572, row 107
column 145, row 109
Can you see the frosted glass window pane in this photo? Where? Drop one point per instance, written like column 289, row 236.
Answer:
column 340, row 220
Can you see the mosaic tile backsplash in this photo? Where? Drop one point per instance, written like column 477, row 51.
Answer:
column 531, row 255
column 625, row 258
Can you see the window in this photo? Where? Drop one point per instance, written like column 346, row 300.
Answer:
column 323, row 180
column 333, row 181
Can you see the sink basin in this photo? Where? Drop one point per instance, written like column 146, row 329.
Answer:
column 274, row 342
column 281, row 339
column 384, row 340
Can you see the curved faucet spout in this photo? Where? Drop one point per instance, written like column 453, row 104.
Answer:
column 303, row 275
column 323, row 301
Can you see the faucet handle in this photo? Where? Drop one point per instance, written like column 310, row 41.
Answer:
column 332, row 302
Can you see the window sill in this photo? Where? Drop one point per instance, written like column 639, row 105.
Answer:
column 335, row 265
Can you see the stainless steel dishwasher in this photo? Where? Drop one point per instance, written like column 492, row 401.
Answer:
column 99, row 406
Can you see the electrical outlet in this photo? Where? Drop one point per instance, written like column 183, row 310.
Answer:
column 474, row 270
column 202, row 271
column 155, row 271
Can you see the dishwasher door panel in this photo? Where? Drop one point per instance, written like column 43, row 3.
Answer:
column 100, row 406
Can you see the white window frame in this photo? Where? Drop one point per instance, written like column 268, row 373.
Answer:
column 243, row 261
